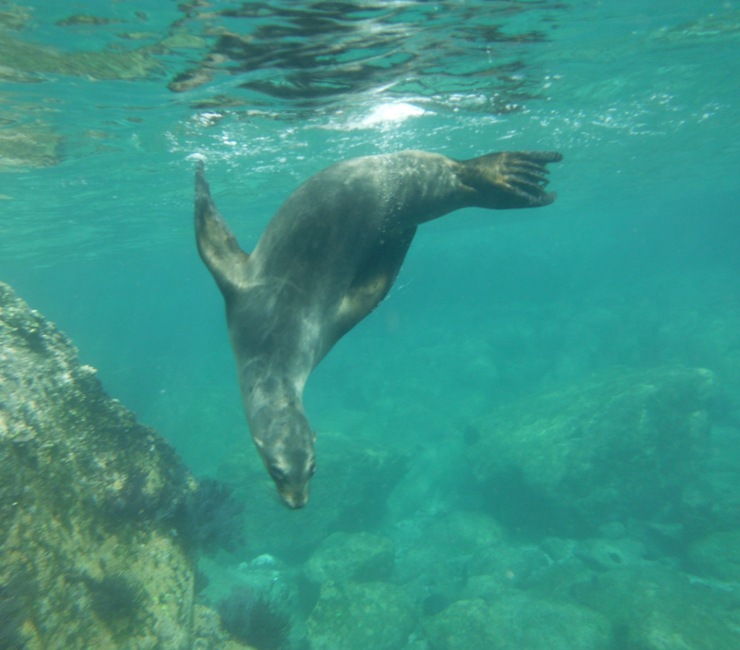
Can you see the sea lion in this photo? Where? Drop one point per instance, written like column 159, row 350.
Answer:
column 326, row 259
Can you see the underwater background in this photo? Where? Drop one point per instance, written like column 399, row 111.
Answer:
column 443, row 417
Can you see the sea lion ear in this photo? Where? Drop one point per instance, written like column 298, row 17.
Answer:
column 217, row 245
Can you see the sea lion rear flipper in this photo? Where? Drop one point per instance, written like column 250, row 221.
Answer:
column 513, row 179
column 217, row 245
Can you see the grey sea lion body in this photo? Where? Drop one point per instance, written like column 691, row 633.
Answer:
column 326, row 259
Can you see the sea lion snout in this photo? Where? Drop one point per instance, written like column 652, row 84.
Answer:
column 288, row 455
column 292, row 482
column 294, row 497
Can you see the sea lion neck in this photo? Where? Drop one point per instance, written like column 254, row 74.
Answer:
column 270, row 395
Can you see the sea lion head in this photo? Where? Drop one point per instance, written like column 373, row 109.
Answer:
column 287, row 450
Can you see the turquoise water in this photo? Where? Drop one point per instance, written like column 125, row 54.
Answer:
column 635, row 265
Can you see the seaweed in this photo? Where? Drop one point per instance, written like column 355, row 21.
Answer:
column 210, row 517
column 256, row 619
column 116, row 600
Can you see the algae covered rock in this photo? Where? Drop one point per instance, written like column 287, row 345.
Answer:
column 655, row 608
column 517, row 622
column 602, row 554
column 717, row 556
column 351, row 556
column 464, row 625
column 349, row 616
column 208, row 632
column 90, row 550
column 444, row 552
column 718, row 507
column 629, row 444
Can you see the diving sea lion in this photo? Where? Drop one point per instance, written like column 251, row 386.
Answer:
column 326, row 259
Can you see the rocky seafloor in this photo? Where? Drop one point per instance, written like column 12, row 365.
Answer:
column 599, row 515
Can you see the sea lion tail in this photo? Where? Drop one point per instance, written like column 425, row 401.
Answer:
column 217, row 245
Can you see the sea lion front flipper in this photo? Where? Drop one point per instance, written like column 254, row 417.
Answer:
column 515, row 179
column 217, row 245
column 371, row 283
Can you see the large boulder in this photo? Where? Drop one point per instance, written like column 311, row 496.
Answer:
column 626, row 444
column 345, row 557
column 718, row 507
column 434, row 564
column 349, row 616
column 716, row 556
column 93, row 550
column 515, row 622
column 656, row 608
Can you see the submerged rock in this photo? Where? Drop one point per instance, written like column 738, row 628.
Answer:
column 464, row 625
column 90, row 553
column 351, row 556
column 717, row 556
column 436, row 564
column 718, row 507
column 629, row 444
column 654, row 608
column 349, row 616
column 601, row 554
column 517, row 622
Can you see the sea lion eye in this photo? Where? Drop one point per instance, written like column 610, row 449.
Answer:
column 277, row 473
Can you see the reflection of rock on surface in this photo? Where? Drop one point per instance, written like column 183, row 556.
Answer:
column 628, row 444
column 29, row 146
column 89, row 557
